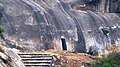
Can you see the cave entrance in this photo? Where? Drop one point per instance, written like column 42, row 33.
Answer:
column 64, row 46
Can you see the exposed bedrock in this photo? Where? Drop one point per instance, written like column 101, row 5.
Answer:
column 40, row 25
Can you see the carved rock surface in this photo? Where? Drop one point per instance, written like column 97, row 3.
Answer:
column 40, row 24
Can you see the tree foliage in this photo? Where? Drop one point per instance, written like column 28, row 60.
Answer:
column 1, row 30
column 112, row 60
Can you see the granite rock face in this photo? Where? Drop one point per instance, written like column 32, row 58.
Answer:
column 9, row 58
column 40, row 24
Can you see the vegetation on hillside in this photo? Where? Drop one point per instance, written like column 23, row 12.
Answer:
column 1, row 29
column 112, row 60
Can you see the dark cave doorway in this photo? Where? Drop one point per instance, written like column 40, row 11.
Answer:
column 64, row 45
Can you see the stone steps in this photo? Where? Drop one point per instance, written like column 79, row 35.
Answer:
column 37, row 60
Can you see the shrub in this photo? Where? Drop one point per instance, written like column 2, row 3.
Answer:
column 1, row 30
column 112, row 60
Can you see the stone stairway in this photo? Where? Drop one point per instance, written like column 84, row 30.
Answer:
column 37, row 60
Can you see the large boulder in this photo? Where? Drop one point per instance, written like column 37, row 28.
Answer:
column 9, row 58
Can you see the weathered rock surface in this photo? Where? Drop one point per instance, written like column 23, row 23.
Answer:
column 9, row 58
column 39, row 24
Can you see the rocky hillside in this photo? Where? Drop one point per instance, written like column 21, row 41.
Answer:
column 10, row 58
column 39, row 24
